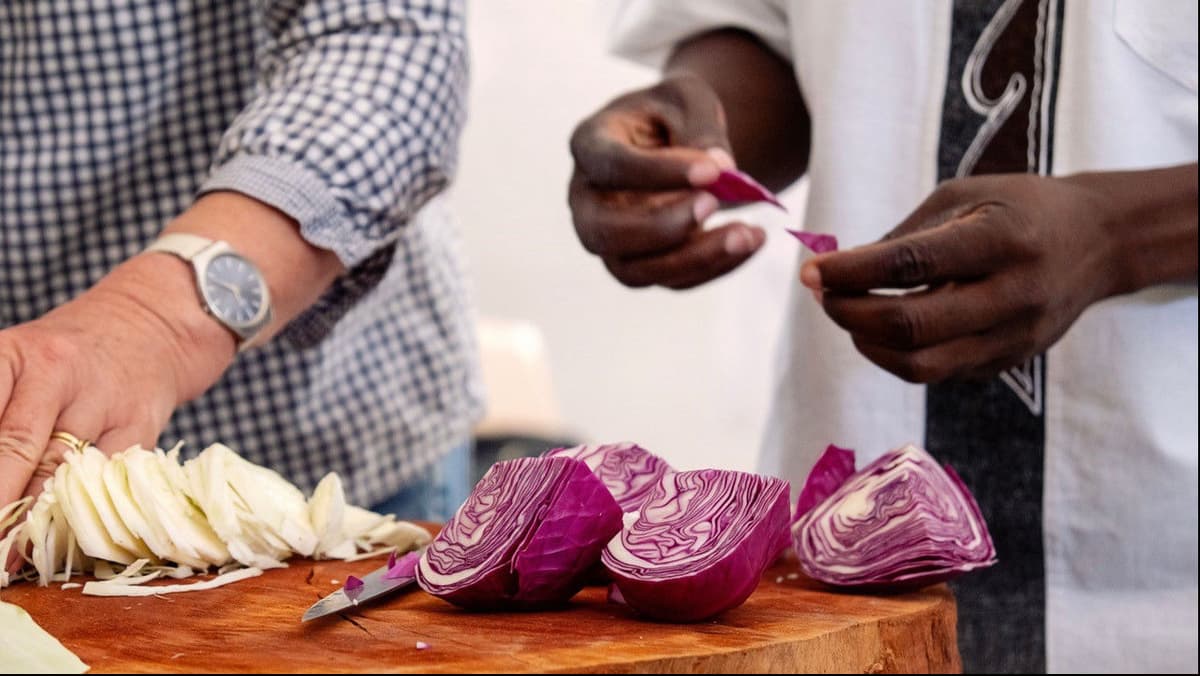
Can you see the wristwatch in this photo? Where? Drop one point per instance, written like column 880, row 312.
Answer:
column 231, row 287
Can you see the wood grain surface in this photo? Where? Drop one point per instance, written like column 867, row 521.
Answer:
column 788, row 625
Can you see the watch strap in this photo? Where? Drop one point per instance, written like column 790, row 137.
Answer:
column 181, row 244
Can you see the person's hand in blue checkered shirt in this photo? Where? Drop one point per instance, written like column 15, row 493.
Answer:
column 111, row 365
column 120, row 119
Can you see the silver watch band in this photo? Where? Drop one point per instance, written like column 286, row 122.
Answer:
column 181, row 244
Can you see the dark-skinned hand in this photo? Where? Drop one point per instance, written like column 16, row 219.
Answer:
column 996, row 267
column 634, row 194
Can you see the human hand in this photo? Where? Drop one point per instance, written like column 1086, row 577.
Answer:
column 634, row 196
column 109, row 366
column 1008, row 262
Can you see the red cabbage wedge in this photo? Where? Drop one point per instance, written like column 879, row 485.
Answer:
column 901, row 521
column 830, row 471
column 629, row 471
column 700, row 544
column 525, row 537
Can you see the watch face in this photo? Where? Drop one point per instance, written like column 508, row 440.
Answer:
column 234, row 289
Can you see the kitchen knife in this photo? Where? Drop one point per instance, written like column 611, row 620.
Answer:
column 375, row 584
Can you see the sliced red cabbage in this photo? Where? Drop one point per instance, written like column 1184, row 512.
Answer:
column 817, row 243
column 402, row 567
column 700, row 544
column 525, row 537
column 829, row 472
column 737, row 187
column 353, row 587
column 629, row 471
column 901, row 521
column 614, row 595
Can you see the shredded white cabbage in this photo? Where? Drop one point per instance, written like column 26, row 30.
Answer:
column 129, row 587
column 144, row 514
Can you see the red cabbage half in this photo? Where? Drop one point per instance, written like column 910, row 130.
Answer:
column 629, row 471
column 525, row 537
column 700, row 544
column 901, row 521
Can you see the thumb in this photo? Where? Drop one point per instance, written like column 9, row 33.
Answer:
column 692, row 114
column 667, row 137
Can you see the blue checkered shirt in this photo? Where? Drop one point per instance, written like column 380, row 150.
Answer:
column 115, row 114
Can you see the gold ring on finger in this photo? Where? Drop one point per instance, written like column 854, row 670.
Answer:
column 75, row 443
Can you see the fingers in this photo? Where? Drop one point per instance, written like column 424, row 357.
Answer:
column 611, row 163
column 963, row 248
column 118, row 439
column 954, row 331
column 952, row 233
column 691, row 112
column 927, row 318
column 25, row 426
column 84, row 422
column 6, row 382
column 634, row 223
column 942, row 206
column 633, row 194
column 650, row 238
column 14, row 562
column 977, row 356
column 79, row 420
column 708, row 254
column 654, row 139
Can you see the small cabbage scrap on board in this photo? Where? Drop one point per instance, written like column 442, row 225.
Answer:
column 27, row 648
column 141, row 515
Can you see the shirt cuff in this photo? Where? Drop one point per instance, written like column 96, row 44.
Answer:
column 647, row 31
column 302, row 195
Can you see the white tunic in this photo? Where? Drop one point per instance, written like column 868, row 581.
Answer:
column 1120, row 493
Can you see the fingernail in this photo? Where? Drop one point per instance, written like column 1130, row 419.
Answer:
column 703, row 173
column 819, row 296
column 810, row 276
column 704, row 206
column 722, row 157
column 739, row 242
column 760, row 236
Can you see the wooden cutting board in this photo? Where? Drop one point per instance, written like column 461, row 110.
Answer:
column 787, row 625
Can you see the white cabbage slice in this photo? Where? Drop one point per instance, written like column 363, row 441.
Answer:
column 8, row 516
column 117, row 587
column 29, row 649
column 169, row 512
column 274, row 500
column 205, row 476
column 243, row 532
column 140, row 516
column 325, row 510
column 116, row 484
column 83, row 517
column 90, row 468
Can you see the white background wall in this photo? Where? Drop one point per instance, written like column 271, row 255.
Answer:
column 684, row 374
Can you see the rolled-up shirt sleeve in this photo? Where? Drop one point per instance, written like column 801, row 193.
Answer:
column 646, row 31
column 355, row 121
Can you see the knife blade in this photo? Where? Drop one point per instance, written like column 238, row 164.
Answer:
column 375, row 584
